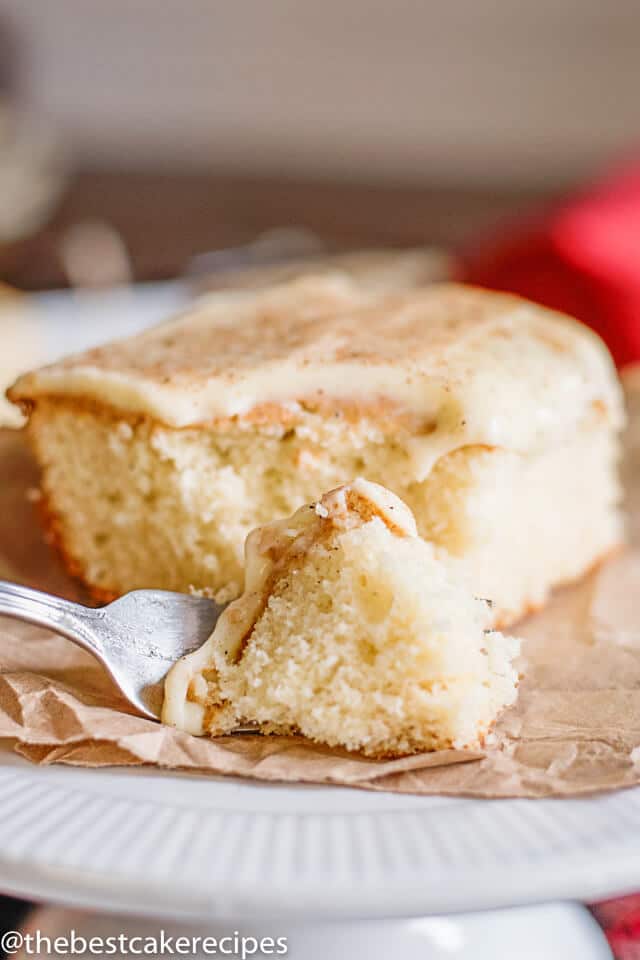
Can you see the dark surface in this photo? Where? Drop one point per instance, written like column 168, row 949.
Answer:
column 165, row 219
column 12, row 914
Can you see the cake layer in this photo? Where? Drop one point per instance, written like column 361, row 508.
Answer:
column 351, row 632
column 134, row 503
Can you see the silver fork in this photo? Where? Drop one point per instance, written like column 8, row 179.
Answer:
column 137, row 638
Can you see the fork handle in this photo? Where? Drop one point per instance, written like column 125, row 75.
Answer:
column 71, row 620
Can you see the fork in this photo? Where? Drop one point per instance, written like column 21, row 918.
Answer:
column 137, row 637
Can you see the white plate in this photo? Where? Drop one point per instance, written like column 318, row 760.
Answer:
column 149, row 842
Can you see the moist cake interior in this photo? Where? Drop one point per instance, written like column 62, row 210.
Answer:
column 352, row 633
column 138, row 504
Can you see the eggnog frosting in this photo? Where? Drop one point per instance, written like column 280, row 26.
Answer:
column 486, row 367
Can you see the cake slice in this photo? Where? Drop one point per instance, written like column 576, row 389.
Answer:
column 497, row 421
column 351, row 632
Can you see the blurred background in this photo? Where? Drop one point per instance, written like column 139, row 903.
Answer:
column 191, row 124
column 488, row 91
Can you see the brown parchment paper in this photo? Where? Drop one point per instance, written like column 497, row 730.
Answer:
column 575, row 729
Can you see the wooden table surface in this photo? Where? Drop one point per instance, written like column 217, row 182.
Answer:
column 165, row 219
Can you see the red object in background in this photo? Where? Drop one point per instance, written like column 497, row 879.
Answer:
column 583, row 258
column 620, row 920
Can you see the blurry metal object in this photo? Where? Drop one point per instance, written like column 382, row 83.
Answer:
column 94, row 255
column 379, row 270
column 280, row 245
